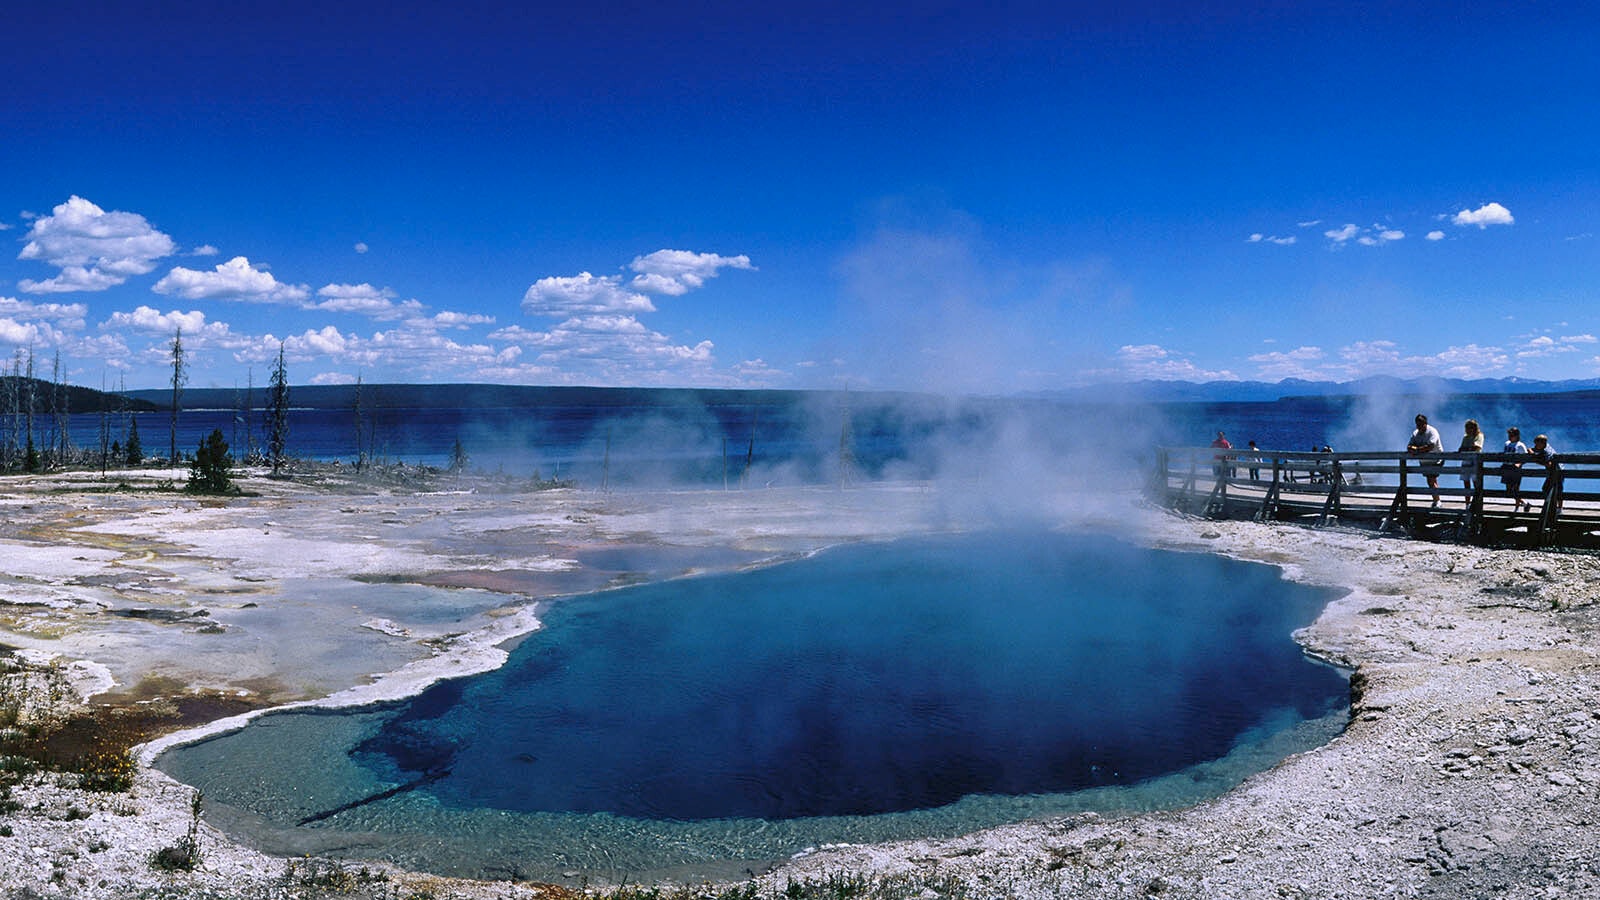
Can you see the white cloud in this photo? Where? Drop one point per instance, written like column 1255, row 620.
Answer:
column 606, row 325
column 204, row 250
column 1259, row 238
column 108, row 348
column 415, row 347
column 582, row 293
column 600, row 339
column 1301, row 362
column 235, row 279
column 362, row 292
column 676, row 272
column 72, row 280
column 611, row 349
column 1367, row 356
column 147, row 320
column 1151, row 361
column 1373, row 236
column 1340, row 235
column 756, row 371
column 93, row 248
column 1470, row 361
column 1435, row 235
column 19, row 333
column 326, row 341
column 361, row 247
column 1545, row 345
column 459, row 320
column 1484, row 216
column 65, row 315
column 363, row 299
column 515, row 334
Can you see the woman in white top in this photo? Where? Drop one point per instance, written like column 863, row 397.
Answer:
column 1471, row 442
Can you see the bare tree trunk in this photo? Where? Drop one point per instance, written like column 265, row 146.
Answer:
column 360, row 417
column 278, row 413
column 61, row 404
column 179, row 376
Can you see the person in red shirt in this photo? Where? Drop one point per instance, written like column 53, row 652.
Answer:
column 1221, row 465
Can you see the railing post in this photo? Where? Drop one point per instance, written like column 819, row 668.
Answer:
column 1550, row 516
column 1474, row 525
column 1160, row 478
column 1186, row 493
column 1269, row 503
column 1399, row 505
column 1330, row 508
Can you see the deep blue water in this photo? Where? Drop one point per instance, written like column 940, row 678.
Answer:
column 856, row 685
column 870, row 692
column 654, row 439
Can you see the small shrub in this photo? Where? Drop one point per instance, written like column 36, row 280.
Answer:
column 185, row 854
column 329, row 875
column 177, row 857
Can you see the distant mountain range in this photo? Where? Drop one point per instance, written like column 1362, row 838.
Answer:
column 1150, row 391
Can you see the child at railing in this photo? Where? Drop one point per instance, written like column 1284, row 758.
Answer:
column 1511, row 472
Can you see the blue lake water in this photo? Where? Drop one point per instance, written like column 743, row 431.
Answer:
column 871, row 692
column 650, row 438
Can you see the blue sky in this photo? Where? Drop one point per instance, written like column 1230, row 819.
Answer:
column 954, row 197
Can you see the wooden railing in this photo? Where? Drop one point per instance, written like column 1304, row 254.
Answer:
column 1389, row 489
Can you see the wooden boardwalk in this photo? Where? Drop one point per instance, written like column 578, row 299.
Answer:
column 1388, row 490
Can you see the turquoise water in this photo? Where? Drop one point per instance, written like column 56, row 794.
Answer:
column 877, row 691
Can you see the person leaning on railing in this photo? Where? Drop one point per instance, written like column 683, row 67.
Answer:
column 1426, row 440
column 1543, row 454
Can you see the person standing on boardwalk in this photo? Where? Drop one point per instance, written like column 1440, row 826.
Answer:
column 1426, row 440
column 1471, row 442
column 1511, row 472
column 1221, row 465
column 1255, row 461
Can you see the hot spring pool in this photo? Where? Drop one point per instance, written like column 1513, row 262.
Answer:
column 872, row 692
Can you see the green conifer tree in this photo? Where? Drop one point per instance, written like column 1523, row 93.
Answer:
column 135, row 448
column 209, row 473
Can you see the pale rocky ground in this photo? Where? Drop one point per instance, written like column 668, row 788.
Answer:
column 1469, row 769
